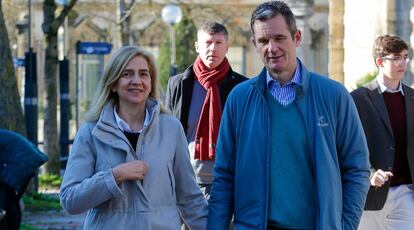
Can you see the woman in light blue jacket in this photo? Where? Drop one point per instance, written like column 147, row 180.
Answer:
column 129, row 166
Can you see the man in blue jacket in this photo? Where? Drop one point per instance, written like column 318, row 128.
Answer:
column 19, row 159
column 291, row 152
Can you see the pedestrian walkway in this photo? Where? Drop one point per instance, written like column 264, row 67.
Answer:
column 53, row 220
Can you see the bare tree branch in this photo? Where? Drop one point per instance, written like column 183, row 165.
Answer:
column 128, row 11
column 61, row 18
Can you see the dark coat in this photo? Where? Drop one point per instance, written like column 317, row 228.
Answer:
column 19, row 159
column 180, row 90
column 377, row 126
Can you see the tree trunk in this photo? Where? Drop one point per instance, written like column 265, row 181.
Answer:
column 50, row 105
column 50, row 27
column 123, row 22
column 11, row 113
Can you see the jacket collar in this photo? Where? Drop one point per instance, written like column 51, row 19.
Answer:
column 409, row 109
column 378, row 101
column 106, row 127
column 187, row 82
column 188, row 75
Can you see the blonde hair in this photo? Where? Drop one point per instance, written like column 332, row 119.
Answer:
column 112, row 72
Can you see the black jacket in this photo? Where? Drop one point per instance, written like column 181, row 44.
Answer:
column 180, row 90
column 377, row 126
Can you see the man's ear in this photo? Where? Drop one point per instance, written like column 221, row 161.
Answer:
column 196, row 46
column 253, row 41
column 298, row 38
column 379, row 61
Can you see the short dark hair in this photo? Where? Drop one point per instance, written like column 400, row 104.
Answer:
column 388, row 44
column 213, row 27
column 271, row 9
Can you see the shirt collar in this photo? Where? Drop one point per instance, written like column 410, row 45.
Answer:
column 384, row 88
column 124, row 126
column 296, row 79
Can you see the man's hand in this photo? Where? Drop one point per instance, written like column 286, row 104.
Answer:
column 133, row 170
column 2, row 213
column 380, row 177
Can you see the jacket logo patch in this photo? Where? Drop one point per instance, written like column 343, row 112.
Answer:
column 322, row 122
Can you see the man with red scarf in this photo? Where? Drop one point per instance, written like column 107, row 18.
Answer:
column 197, row 97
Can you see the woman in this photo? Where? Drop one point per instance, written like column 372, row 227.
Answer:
column 129, row 165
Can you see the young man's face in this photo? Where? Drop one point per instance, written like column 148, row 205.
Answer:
column 276, row 47
column 394, row 65
column 212, row 48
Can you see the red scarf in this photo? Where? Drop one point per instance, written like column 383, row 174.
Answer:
column 209, row 122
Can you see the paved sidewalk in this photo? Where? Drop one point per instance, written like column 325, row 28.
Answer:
column 53, row 220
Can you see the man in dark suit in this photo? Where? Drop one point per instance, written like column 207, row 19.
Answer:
column 386, row 108
column 197, row 97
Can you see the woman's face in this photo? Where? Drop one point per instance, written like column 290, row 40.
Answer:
column 134, row 84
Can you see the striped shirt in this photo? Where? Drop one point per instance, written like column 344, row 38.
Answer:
column 285, row 93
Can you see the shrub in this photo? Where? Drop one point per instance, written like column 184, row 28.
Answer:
column 366, row 78
column 50, row 180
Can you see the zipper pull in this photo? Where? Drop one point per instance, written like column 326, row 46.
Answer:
column 141, row 154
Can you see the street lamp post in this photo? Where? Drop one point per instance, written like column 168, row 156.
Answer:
column 64, row 95
column 30, row 91
column 30, row 85
column 171, row 14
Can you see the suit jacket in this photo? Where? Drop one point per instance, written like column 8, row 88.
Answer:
column 180, row 90
column 377, row 126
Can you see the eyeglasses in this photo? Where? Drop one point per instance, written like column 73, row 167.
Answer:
column 398, row 60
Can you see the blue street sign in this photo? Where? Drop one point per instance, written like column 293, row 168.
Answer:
column 18, row 62
column 99, row 48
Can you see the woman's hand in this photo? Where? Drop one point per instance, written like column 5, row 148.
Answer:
column 133, row 170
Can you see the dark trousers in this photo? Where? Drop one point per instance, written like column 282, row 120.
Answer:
column 275, row 228
column 270, row 227
column 9, row 201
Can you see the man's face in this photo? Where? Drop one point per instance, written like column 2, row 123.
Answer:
column 393, row 65
column 276, row 47
column 212, row 48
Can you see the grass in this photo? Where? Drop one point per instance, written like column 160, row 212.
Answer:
column 28, row 227
column 42, row 202
column 37, row 202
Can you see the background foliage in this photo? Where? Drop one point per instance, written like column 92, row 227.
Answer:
column 366, row 78
column 185, row 36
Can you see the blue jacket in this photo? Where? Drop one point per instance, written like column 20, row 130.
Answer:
column 338, row 146
column 19, row 159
